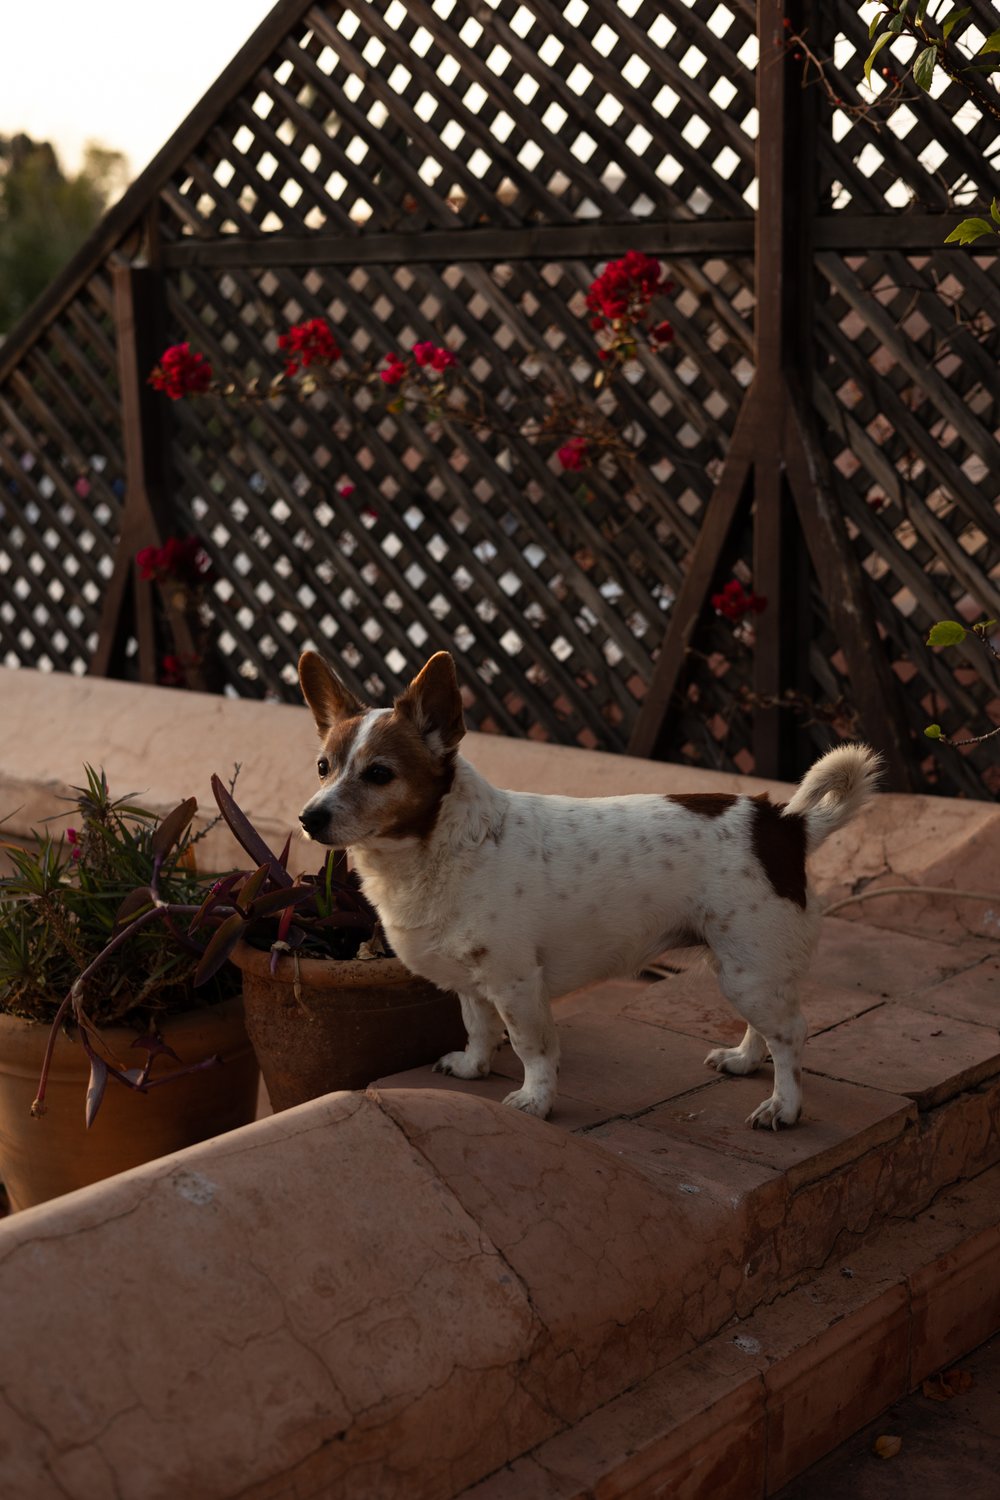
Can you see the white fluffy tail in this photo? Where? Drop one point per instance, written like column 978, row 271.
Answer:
column 835, row 789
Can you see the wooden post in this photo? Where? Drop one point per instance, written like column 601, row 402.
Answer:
column 147, row 516
column 776, row 458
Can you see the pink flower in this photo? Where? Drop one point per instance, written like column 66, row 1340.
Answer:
column 309, row 343
column 346, row 491
column 734, row 602
column 625, row 288
column 73, row 840
column 395, row 371
column 432, row 354
column 180, row 559
column 574, row 454
column 181, row 373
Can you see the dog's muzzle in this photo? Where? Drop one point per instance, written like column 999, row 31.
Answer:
column 314, row 820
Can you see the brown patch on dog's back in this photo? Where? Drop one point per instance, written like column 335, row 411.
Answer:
column 705, row 804
column 780, row 845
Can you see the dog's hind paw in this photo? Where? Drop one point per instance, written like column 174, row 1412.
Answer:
column 731, row 1060
column 774, row 1113
column 461, row 1065
column 529, row 1103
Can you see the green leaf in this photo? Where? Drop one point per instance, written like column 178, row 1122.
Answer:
column 923, row 68
column 933, row 731
column 885, row 37
column 991, row 44
column 985, row 626
column 969, row 231
column 947, row 633
column 921, row 11
column 953, row 18
column 876, row 22
column 995, row 211
column 896, row 24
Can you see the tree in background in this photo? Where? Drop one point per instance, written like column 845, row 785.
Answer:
column 45, row 216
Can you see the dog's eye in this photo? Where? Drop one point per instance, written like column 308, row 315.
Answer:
column 323, row 766
column 378, row 775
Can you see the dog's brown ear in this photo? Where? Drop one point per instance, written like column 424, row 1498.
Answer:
column 325, row 694
column 433, row 702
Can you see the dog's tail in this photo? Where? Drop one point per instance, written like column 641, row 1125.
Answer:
column 835, row 789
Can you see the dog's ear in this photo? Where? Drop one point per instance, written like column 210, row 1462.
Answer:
column 433, row 703
column 325, row 694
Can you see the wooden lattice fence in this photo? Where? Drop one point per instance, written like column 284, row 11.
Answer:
column 825, row 423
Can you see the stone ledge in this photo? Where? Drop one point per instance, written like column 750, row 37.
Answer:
column 753, row 1407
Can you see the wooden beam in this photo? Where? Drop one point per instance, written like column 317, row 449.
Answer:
column 731, row 491
column 873, row 685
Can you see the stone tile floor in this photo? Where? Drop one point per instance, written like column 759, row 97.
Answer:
column 902, row 1100
column 949, row 1448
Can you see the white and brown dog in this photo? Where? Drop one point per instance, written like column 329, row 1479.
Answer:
column 512, row 899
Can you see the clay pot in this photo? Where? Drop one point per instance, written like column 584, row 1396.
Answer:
column 42, row 1158
column 354, row 1020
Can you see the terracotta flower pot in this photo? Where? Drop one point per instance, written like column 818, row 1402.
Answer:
column 41, row 1158
column 353, row 1021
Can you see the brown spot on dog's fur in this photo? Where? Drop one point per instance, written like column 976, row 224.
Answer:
column 705, row 804
column 477, row 955
column 519, row 890
column 426, row 777
column 780, row 845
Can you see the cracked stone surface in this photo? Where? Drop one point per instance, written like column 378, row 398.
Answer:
column 397, row 1294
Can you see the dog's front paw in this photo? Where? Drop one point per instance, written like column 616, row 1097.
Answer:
column 774, row 1113
column 529, row 1102
column 731, row 1060
column 461, row 1065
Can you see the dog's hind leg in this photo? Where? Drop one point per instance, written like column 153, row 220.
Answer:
column 775, row 1024
column 746, row 1058
column 527, row 1015
column 485, row 1033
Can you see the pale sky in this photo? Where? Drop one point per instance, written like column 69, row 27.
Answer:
column 122, row 72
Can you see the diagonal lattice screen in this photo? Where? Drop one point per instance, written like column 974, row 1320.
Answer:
column 414, row 169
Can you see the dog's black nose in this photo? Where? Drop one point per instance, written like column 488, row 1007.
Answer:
column 313, row 820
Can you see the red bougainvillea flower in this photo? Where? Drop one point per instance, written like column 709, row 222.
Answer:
column 174, row 669
column 574, row 454
column 663, row 333
column 179, row 560
column 433, row 355
column 73, row 840
column 181, row 373
column 734, row 602
column 395, row 370
column 309, row 343
column 625, row 288
column 346, row 491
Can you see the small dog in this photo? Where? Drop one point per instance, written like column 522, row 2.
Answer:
column 512, row 899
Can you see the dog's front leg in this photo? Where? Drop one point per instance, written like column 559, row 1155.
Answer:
column 485, row 1032
column 526, row 1013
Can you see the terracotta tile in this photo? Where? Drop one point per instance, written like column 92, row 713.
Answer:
column 955, row 1302
column 973, row 995
column 692, row 1003
column 852, row 955
column 827, row 1388
column 568, row 1113
column 608, row 998
column 622, row 1066
column 686, row 1166
column 927, row 1057
column 693, row 1430
column 840, row 1122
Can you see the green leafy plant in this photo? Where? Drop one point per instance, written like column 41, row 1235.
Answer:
column 112, row 923
column 945, row 40
column 953, row 633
